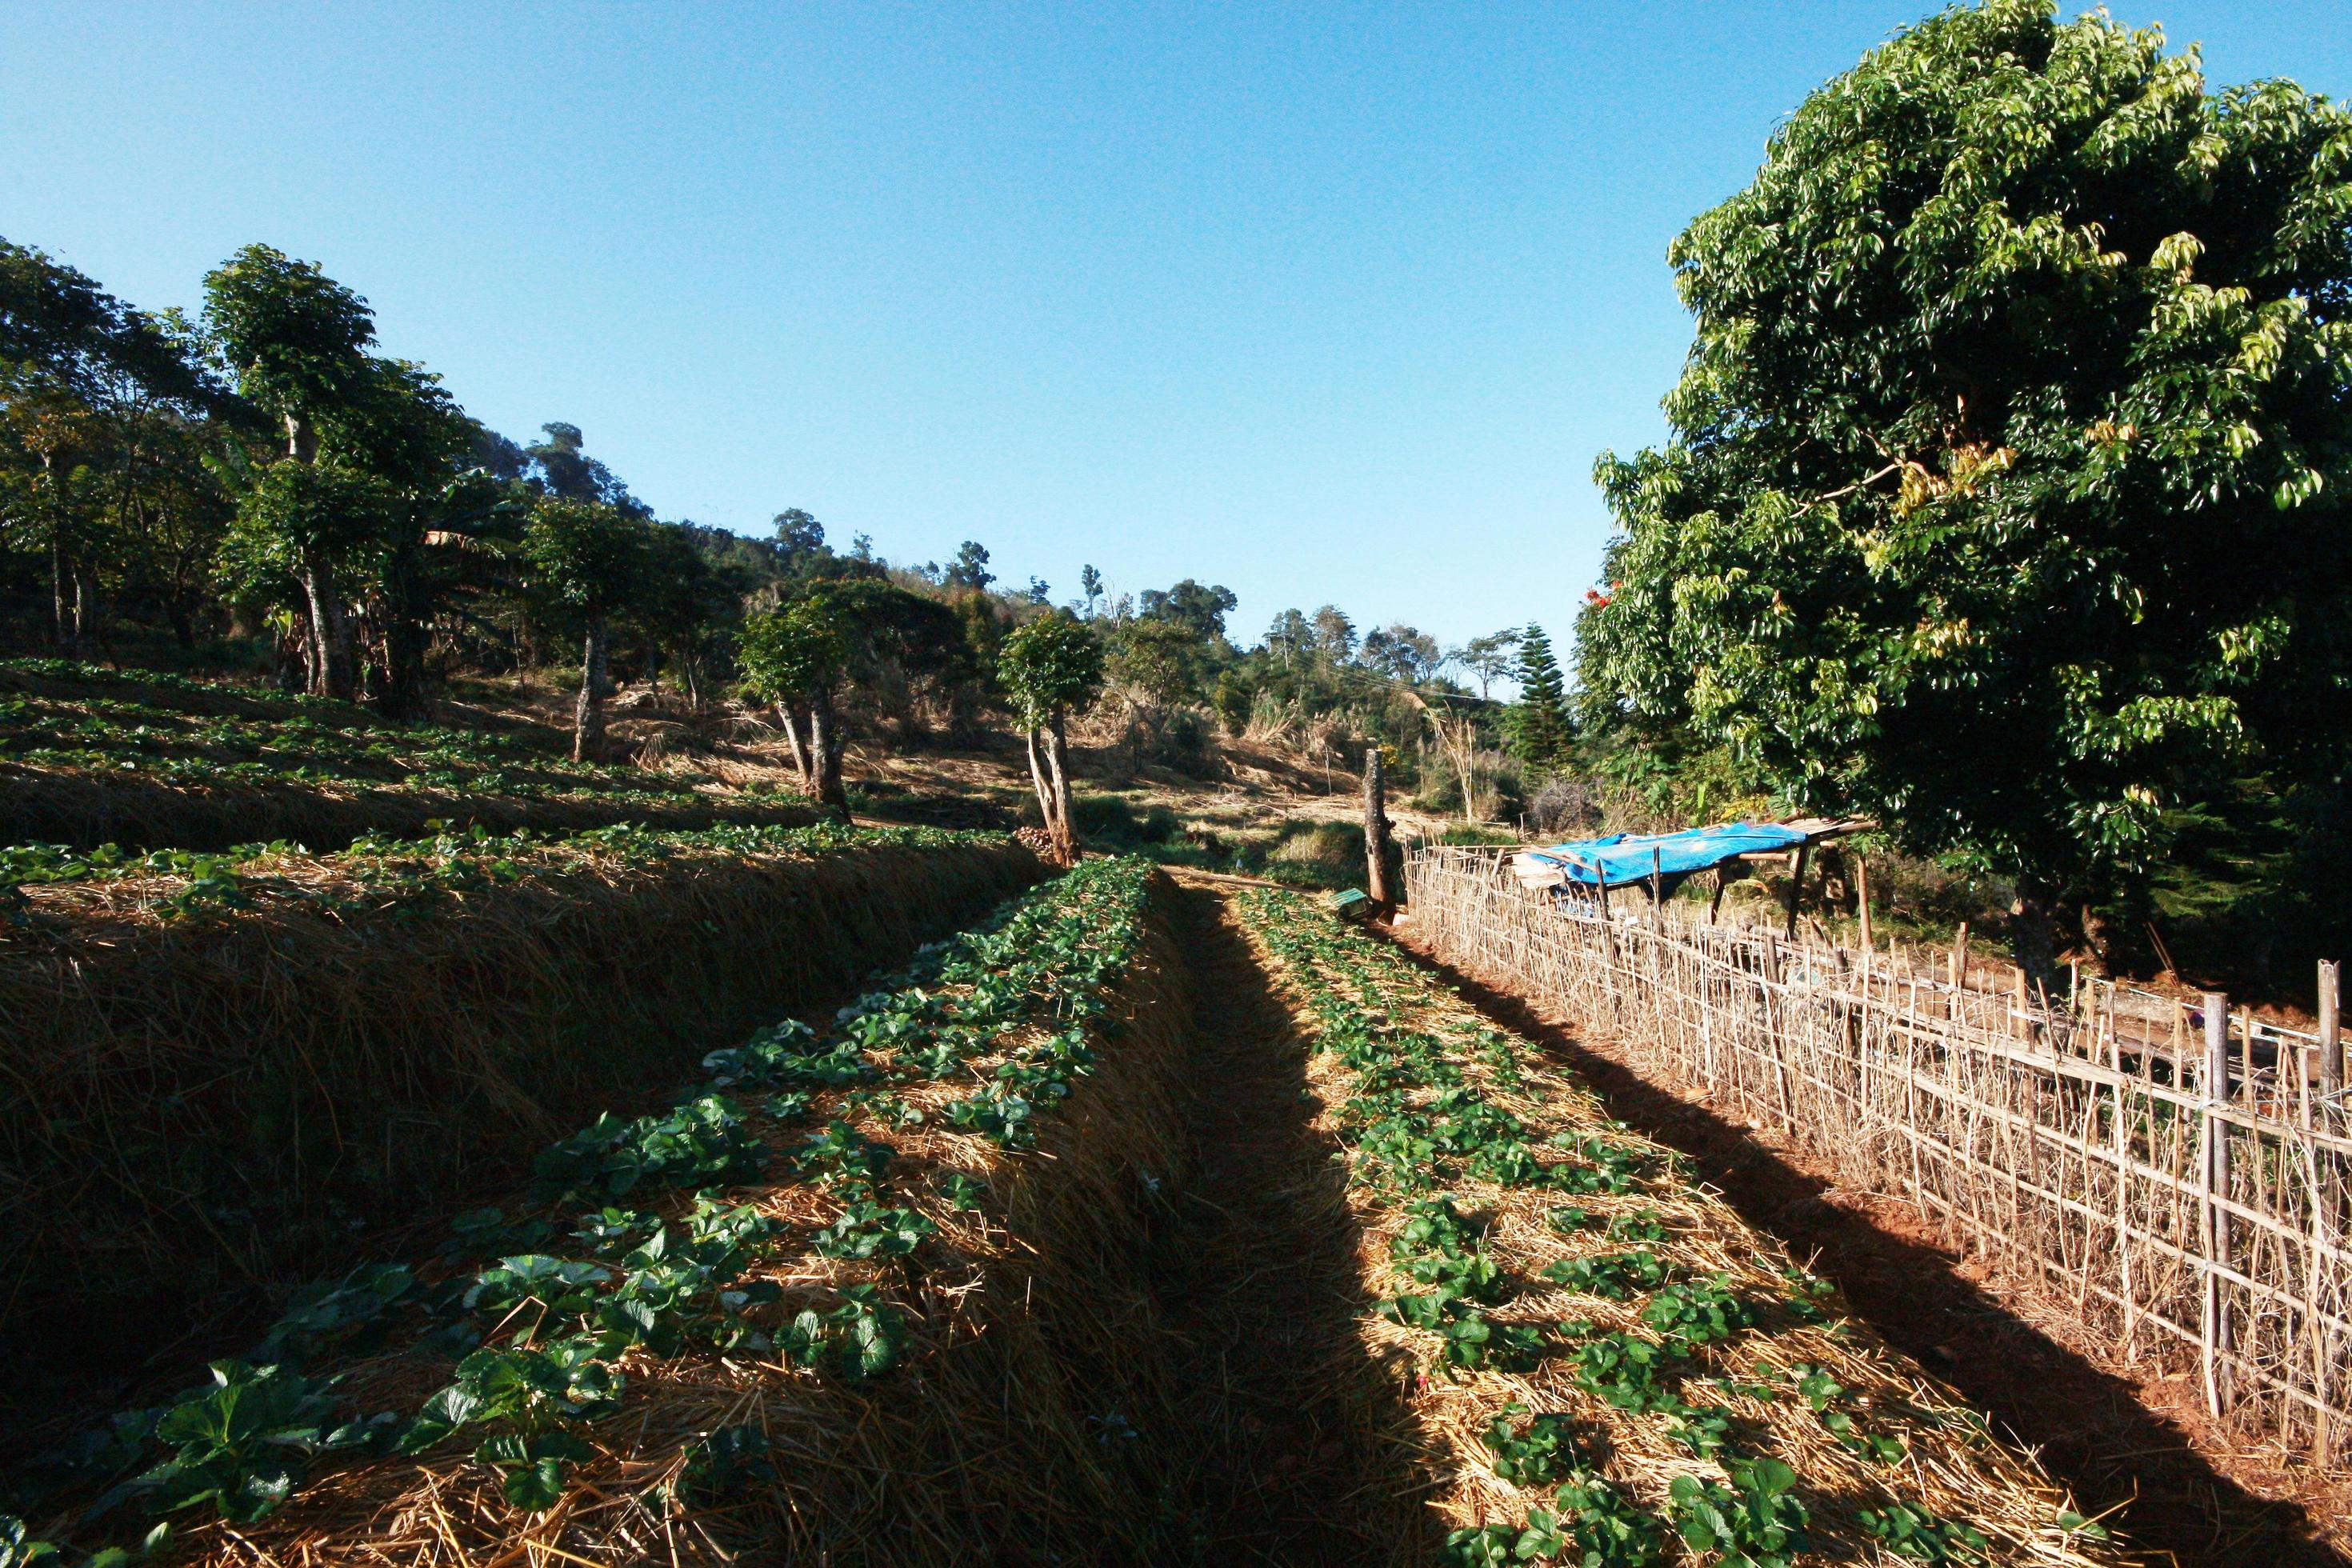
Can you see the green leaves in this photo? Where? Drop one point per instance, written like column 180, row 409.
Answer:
column 704, row 1139
column 243, row 1444
column 2009, row 359
column 534, row 1467
column 1051, row 665
column 1758, row 1522
column 1907, row 1529
column 862, row 1338
column 865, row 1229
column 1532, row 1455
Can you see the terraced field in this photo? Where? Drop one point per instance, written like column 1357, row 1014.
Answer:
column 90, row 755
column 1140, row 1221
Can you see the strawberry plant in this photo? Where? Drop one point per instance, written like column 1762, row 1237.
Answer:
column 243, row 1444
column 1534, row 1455
column 862, row 1338
column 1908, row 1531
column 1757, row 1522
column 1698, row 1312
column 702, row 1141
column 1612, row 1277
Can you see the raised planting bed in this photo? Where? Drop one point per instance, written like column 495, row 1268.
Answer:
column 225, row 1075
column 1608, row 1367
column 90, row 757
column 836, row 1302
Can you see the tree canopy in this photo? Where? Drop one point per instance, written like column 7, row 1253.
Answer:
column 2005, row 493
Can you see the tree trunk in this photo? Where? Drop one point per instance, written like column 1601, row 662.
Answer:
column 1375, row 828
column 1045, row 791
column 792, row 723
column 1065, row 828
column 2033, row 936
column 61, row 602
column 824, row 750
column 588, row 717
column 330, row 646
column 404, row 665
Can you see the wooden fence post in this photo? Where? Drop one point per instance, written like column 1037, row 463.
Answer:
column 1797, row 883
column 1376, row 827
column 2331, row 1029
column 2214, row 1182
column 1958, row 972
column 1862, row 902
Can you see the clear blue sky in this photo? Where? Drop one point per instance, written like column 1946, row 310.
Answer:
column 1328, row 303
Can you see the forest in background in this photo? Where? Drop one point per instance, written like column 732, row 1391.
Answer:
column 2006, row 512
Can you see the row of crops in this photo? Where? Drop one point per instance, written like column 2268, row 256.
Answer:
column 616, row 1357
column 1611, row 1369
column 377, row 870
column 143, row 731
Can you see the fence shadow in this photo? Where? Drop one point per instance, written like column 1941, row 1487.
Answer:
column 2089, row 1427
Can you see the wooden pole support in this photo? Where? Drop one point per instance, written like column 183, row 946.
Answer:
column 1797, row 883
column 1862, row 897
column 2215, row 1185
column 2331, row 1028
column 1375, row 828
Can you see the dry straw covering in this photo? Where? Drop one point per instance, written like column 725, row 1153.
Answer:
column 1607, row 1366
column 224, row 1081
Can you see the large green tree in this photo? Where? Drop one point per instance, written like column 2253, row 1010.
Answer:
column 2006, row 495
column 104, row 412
column 302, row 347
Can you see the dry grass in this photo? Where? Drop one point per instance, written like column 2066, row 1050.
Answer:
column 208, row 1109
column 1951, row 1464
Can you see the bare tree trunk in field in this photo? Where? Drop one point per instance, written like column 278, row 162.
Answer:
column 1037, row 779
column 824, row 751
column 588, row 716
column 1063, row 828
column 792, row 724
column 1376, row 827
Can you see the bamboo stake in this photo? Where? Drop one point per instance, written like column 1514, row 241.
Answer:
column 2213, row 1178
column 2331, row 1035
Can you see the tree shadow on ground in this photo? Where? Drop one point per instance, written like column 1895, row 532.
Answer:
column 2089, row 1427
column 1303, row 1450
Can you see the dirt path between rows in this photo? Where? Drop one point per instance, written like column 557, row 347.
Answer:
column 2091, row 1430
column 1298, row 1442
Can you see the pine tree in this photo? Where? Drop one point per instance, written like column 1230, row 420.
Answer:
column 1539, row 726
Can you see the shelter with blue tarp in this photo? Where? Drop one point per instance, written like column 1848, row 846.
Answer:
column 1657, row 863
column 1623, row 858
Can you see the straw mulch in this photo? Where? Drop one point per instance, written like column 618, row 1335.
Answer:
column 206, row 1109
column 1950, row 1465
column 82, row 809
column 1008, row 1434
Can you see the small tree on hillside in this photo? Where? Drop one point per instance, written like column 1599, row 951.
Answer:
column 1053, row 667
column 587, row 560
column 1539, row 726
column 794, row 658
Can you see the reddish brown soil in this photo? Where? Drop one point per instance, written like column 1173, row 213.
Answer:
column 2181, row 1490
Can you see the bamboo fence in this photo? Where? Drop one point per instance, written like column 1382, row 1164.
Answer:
column 2176, row 1178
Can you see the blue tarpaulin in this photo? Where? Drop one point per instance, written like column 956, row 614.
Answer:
column 1626, row 857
